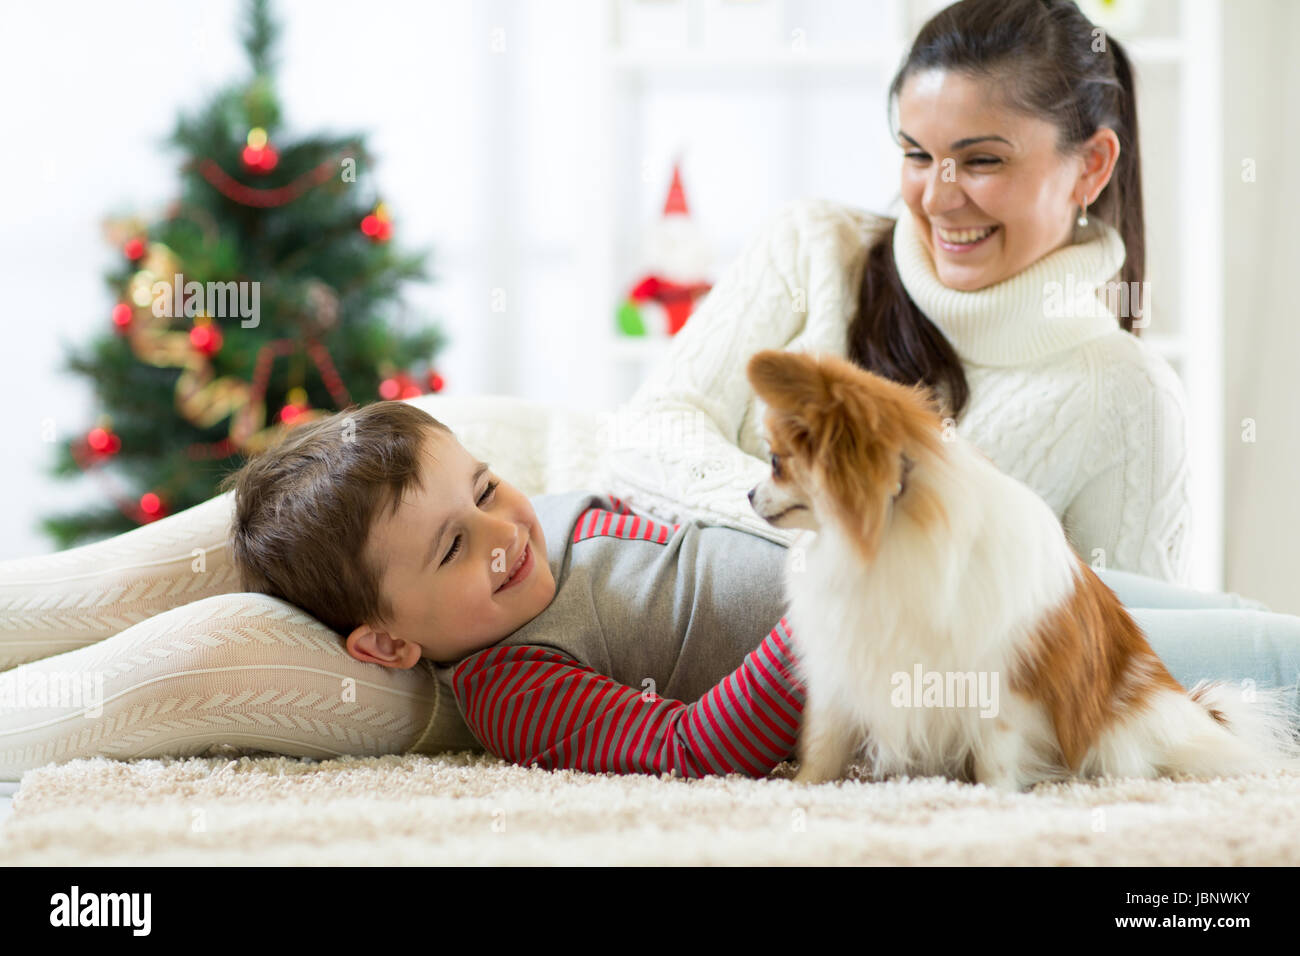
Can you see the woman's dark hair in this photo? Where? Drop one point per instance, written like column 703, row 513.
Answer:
column 1047, row 60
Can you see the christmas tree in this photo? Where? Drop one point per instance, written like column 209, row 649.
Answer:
column 262, row 298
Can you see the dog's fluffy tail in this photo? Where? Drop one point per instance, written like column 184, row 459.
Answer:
column 1260, row 730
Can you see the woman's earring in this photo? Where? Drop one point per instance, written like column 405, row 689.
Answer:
column 1083, row 215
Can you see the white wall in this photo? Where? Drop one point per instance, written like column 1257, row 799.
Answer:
column 1262, row 333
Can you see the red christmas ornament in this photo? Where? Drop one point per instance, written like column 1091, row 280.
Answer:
column 377, row 225
column 296, row 406
column 259, row 155
column 435, row 381
column 134, row 249
column 121, row 315
column 399, row 385
column 102, row 441
column 151, row 505
column 206, row 338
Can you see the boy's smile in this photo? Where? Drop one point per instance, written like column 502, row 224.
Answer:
column 445, row 559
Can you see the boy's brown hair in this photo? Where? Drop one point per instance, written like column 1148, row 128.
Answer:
column 304, row 508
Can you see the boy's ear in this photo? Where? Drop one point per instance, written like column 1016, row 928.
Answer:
column 373, row 646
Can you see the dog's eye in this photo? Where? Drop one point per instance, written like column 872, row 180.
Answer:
column 902, row 479
column 776, row 466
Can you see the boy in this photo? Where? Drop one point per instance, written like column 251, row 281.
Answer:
column 567, row 629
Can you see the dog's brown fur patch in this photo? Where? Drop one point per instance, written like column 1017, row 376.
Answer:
column 1087, row 662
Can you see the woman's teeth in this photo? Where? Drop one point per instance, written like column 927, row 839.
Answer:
column 963, row 237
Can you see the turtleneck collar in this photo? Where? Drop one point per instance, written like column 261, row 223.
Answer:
column 1048, row 307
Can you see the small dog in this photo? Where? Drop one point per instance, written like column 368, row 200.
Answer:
column 933, row 578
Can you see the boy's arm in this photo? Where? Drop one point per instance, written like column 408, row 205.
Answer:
column 539, row 707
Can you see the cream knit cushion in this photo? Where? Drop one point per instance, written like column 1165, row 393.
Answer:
column 185, row 661
column 68, row 600
column 236, row 671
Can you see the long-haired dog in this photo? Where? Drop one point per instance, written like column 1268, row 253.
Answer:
column 944, row 624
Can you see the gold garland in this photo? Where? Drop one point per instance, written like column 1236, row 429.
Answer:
column 201, row 397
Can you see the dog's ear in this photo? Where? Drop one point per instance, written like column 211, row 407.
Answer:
column 792, row 387
column 786, row 381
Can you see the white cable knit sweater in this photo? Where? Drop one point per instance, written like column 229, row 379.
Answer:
column 1081, row 411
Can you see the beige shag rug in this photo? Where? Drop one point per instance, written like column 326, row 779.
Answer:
column 476, row 809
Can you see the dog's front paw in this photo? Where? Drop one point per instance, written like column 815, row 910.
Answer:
column 1003, row 782
column 812, row 775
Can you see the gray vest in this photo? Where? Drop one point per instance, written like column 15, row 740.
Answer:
column 640, row 603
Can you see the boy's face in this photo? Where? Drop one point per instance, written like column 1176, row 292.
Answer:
column 454, row 604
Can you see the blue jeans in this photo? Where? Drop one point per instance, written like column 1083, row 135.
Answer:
column 1208, row 634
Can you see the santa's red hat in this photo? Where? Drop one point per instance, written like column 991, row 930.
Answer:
column 676, row 202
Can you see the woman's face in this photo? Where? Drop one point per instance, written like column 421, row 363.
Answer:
column 969, row 165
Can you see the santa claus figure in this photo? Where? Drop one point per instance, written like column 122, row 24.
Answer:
column 678, row 259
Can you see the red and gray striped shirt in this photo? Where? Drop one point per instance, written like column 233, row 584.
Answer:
column 665, row 650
